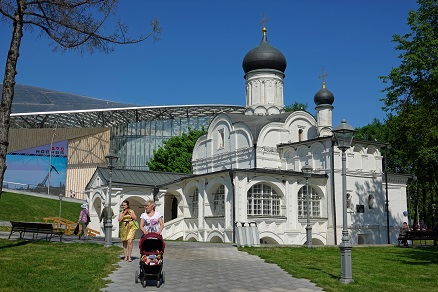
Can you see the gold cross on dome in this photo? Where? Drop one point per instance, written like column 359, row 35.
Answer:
column 323, row 75
column 264, row 20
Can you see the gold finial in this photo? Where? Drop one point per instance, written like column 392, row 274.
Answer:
column 263, row 24
column 322, row 76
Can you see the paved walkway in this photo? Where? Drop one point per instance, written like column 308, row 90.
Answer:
column 194, row 266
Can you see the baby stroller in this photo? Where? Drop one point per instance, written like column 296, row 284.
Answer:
column 151, row 259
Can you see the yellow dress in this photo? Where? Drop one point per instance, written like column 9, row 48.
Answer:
column 127, row 228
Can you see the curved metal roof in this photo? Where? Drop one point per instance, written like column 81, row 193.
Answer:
column 35, row 99
column 35, row 107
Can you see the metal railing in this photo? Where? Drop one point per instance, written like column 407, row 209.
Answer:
column 67, row 226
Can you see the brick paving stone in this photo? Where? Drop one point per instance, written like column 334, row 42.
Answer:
column 195, row 266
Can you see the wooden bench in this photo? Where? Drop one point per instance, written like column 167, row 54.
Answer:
column 419, row 235
column 35, row 228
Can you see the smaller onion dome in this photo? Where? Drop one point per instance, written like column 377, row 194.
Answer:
column 264, row 57
column 324, row 96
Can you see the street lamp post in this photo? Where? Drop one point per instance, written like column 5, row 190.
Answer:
column 112, row 158
column 60, row 205
column 387, row 147
column 413, row 180
column 343, row 134
column 50, row 158
column 307, row 172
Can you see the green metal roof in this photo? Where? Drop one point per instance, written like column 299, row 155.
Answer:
column 141, row 178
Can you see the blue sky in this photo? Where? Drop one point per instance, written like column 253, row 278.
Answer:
column 199, row 57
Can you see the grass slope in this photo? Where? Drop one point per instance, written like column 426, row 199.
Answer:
column 50, row 266
column 19, row 207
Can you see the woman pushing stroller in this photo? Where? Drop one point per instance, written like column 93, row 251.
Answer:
column 151, row 246
column 151, row 221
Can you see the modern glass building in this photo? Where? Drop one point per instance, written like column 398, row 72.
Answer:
column 135, row 143
column 88, row 128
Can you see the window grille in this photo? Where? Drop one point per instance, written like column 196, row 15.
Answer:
column 219, row 201
column 314, row 203
column 263, row 201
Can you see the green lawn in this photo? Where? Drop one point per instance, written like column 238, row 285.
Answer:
column 18, row 207
column 50, row 266
column 55, row 266
column 374, row 268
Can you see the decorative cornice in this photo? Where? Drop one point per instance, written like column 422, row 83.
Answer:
column 224, row 155
column 267, row 149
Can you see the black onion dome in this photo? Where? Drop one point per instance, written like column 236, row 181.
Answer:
column 324, row 96
column 264, row 57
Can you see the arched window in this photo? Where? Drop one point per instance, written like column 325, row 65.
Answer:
column 221, row 139
column 263, row 200
column 349, row 205
column 314, row 203
column 371, row 202
column 219, row 201
column 194, row 205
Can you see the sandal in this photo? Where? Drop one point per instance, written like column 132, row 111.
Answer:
column 130, row 260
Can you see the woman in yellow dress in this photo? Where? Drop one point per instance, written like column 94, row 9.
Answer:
column 127, row 229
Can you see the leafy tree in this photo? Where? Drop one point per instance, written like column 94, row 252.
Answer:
column 176, row 155
column 412, row 95
column 415, row 80
column 376, row 131
column 296, row 106
column 70, row 24
column 385, row 132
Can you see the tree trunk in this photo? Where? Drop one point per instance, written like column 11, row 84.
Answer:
column 428, row 205
column 423, row 206
column 8, row 86
column 417, row 195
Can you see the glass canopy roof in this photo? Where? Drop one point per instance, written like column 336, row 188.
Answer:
column 35, row 107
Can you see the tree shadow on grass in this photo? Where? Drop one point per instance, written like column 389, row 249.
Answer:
column 15, row 244
column 427, row 255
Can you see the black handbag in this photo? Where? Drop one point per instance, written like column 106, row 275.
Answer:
column 76, row 230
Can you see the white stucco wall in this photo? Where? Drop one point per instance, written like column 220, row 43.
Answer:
column 229, row 146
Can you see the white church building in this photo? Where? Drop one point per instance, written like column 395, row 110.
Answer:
column 248, row 168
